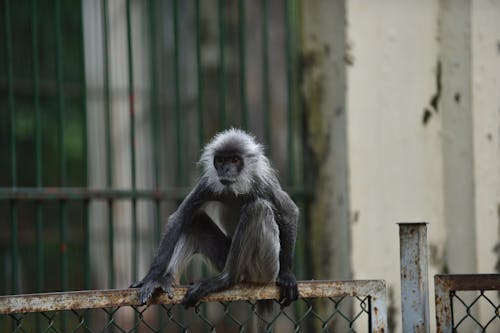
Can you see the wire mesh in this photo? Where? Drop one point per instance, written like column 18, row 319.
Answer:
column 466, row 304
column 240, row 316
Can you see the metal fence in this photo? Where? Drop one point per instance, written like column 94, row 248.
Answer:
column 230, row 311
column 105, row 106
column 458, row 298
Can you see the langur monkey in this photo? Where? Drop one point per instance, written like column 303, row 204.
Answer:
column 238, row 217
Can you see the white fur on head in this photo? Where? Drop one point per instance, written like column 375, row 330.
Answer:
column 255, row 163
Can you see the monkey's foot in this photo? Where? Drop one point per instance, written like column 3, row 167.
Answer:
column 288, row 288
column 149, row 288
column 195, row 293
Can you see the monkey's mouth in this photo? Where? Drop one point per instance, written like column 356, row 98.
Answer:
column 226, row 181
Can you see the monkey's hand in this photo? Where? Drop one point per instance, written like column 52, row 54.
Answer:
column 288, row 288
column 150, row 287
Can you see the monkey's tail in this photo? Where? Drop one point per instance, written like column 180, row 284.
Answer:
column 265, row 315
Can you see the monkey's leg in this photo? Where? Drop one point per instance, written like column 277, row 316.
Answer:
column 211, row 241
column 260, row 248
column 260, row 253
column 199, row 236
column 254, row 252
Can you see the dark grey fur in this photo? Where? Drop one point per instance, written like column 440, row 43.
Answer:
column 247, row 229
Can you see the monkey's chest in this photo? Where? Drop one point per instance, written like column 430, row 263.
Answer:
column 225, row 216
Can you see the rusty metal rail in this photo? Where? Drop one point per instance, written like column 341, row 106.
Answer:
column 374, row 290
column 445, row 288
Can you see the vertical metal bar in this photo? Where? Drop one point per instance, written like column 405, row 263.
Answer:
column 265, row 75
column 109, row 148
column 38, row 149
column 153, row 107
column 61, row 142
column 178, row 114
column 86, row 217
column 132, row 142
column 200, row 100
column 111, row 242
column 199, row 68
column 13, row 152
column 10, row 87
column 414, row 277
column 154, row 113
column 242, row 63
column 14, row 247
column 444, row 319
column 86, row 238
column 290, row 48
column 378, row 308
column 60, row 94
column 222, row 75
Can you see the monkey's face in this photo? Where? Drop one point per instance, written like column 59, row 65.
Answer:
column 228, row 167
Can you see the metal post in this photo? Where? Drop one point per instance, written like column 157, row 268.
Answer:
column 414, row 277
column 444, row 322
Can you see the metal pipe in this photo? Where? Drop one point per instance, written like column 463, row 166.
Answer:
column 132, row 135
column 199, row 73
column 265, row 76
column 109, row 148
column 90, row 299
column 222, row 75
column 14, row 247
column 242, row 53
column 414, row 277
column 38, row 147
column 290, row 49
column 181, row 174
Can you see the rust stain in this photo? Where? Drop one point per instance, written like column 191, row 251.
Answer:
column 122, row 297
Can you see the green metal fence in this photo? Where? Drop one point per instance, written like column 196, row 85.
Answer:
column 48, row 94
column 150, row 78
column 104, row 107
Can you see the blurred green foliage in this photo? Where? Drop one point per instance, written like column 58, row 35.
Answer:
column 20, row 59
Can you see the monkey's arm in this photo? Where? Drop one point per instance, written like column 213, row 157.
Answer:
column 156, row 278
column 287, row 219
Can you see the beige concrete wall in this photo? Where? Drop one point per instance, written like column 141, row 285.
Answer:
column 395, row 158
column 412, row 159
column 486, row 117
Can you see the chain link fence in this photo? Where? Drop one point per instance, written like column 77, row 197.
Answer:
column 467, row 303
column 466, row 306
column 350, row 306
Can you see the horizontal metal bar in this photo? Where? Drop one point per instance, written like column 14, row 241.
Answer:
column 469, row 281
column 124, row 297
column 82, row 193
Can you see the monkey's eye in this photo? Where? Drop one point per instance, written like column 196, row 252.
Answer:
column 235, row 160
column 218, row 160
